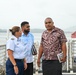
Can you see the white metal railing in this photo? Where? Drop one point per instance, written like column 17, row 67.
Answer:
column 2, row 59
column 69, row 65
column 2, row 54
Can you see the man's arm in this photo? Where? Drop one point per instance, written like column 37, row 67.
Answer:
column 40, row 55
column 64, row 50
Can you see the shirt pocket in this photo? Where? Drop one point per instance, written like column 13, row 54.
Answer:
column 18, row 47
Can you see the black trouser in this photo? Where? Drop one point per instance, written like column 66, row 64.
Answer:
column 10, row 67
column 29, row 70
column 51, row 67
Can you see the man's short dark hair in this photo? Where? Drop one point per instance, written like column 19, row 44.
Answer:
column 24, row 23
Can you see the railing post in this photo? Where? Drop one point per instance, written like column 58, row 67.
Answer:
column 7, row 34
column 67, row 56
column 71, row 64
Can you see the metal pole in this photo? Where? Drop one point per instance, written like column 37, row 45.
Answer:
column 67, row 56
column 71, row 67
column 7, row 34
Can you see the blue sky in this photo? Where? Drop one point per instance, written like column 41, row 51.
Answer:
column 13, row 12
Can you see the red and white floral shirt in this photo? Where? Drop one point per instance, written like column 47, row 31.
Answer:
column 51, row 42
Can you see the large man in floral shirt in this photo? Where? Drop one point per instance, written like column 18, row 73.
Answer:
column 53, row 42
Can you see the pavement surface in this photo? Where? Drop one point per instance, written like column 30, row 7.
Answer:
column 63, row 74
column 42, row 74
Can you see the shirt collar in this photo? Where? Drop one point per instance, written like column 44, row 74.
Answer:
column 17, row 39
column 54, row 29
column 25, row 35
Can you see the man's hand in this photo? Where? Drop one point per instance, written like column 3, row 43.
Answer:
column 25, row 66
column 38, row 62
column 63, row 59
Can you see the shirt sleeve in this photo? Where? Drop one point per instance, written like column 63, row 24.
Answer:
column 33, row 38
column 63, row 37
column 41, row 40
column 10, row 45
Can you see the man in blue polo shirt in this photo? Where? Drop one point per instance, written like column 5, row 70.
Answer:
column 28, row 39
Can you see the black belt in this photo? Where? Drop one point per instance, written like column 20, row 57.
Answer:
column 19, row 59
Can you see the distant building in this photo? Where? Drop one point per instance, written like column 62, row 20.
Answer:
column 73, row 35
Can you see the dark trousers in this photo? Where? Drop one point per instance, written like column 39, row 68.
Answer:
column 10, row 68
column 29, row 70
column 51, row 67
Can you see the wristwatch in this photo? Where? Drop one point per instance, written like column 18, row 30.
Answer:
column 14, row 65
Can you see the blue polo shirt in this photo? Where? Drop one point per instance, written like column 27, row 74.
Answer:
column 28, row 41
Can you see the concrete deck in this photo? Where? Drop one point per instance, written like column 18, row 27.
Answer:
column 62, row 74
